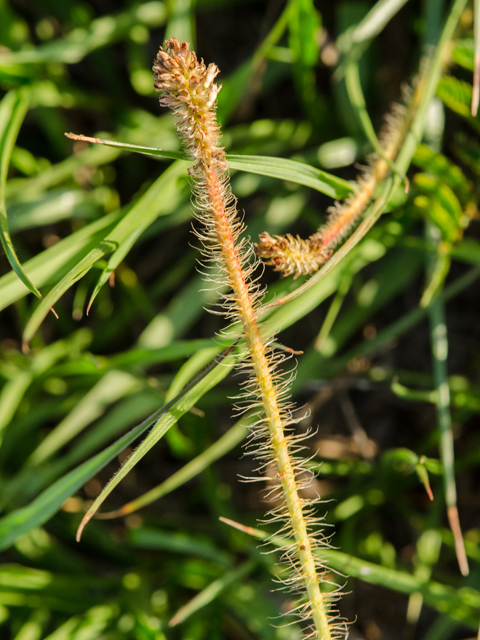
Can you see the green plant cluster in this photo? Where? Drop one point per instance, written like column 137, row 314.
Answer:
column 91, row 227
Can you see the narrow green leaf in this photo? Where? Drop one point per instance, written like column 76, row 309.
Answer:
column 213, row 591
column 293, row 171
column 144, row 212
column 439, row 345
column 13, row 109
column 169, row 417
column 49, row 501
column 468, row 251
column 440, row 268
column 11, row 395
column 304, row 25
column 372, row 24
column 281, row 168
column 50, row 207
column 148, row 151
column 176, row 542
column 167, row 185
column 234, row 436
column 304, row 30
column 112, row 386
column 55, row 261
column 80, row 42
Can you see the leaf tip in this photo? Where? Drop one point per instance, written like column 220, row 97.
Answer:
column 174, row 621
column 454, row 522
column 86, row 519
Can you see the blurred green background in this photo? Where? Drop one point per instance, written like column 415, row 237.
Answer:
column 90, row 219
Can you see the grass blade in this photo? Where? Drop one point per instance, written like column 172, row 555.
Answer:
column 13, row 109
column 167, row 184
column 143, row 213
column 281, row 168
column 55, row 260
column 375, row 20
column 49, row 502
column 234, row 436
column 439, row 340
column 292, row 171
column 169, row 416
column 210, row 593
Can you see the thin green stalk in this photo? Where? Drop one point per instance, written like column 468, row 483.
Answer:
column 374, row 22
column 333, row 311
column 357, row 99
column 439, row 337
column 439, row 341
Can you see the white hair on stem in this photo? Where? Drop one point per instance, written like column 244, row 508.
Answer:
column 187, row 87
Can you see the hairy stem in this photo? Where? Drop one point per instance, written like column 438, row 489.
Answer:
column 268, row 392
column 296, row 256
column 187, row 88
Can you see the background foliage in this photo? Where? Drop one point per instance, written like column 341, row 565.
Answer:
column 82, row 218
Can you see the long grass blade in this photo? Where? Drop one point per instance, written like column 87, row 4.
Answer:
column 143, row 213
column 13, row 109
column 234, row 436
column 169, row 416
column 281, row 168
column 49, row 502
column 439, row 340
column 213, row 591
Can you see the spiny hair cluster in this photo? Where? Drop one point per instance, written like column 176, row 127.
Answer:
column 294, row 256
column 187, row 87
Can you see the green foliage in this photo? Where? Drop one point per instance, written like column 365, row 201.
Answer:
column 146, row 359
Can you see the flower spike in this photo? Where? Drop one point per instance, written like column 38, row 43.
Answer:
column 187, row 87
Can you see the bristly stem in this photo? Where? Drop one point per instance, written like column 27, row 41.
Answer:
column 187, row 87
column 295, row 256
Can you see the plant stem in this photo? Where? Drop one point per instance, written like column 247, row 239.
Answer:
column 187, row 88
column 268, row 392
